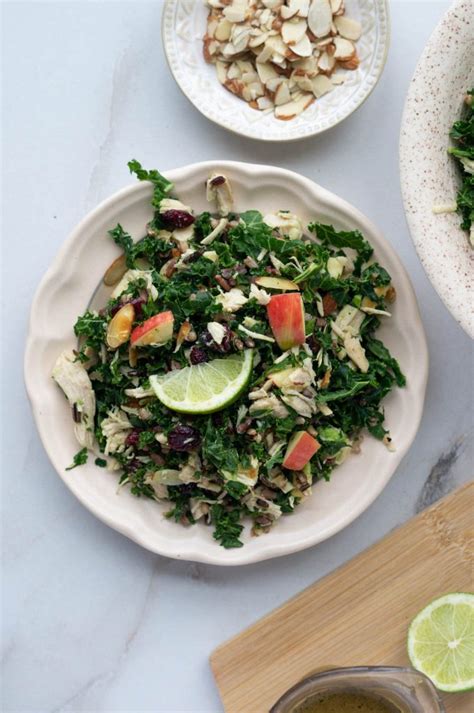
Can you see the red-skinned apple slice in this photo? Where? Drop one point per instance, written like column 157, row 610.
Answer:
column 120, row 326
column 156, row 330
column 301, row 449
column 286, row 316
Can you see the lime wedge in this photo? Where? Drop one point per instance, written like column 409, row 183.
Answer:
column 204, row 388
column 441, row 642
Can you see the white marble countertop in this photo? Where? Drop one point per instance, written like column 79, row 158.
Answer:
column 91, row 621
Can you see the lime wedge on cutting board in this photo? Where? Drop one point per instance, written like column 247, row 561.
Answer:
column 441, row 642
column 204, row 388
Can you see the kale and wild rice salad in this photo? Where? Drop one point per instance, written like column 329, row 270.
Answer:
column 235, row 363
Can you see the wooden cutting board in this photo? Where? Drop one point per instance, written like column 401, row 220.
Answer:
column 357, row 615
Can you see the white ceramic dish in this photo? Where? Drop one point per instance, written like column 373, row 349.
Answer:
column 183, row 27
column 429, row 176
column 65, row 292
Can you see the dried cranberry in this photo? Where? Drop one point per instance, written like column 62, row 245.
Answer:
column 135, row 464
column 132, row 438
column 138, row 303
column 227, row 272
column 184, row 438
column 115, row 309
column 197, row 356
column 218, row 181
column 177, row 218
column 193, row 257
column 313, row 343
column 207, row 339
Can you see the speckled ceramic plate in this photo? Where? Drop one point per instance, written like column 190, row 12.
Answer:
column 183, row 27
column 429, row 176
column 65, row 292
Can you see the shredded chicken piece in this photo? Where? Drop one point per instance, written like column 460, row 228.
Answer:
column 233, row 300
column 132, row 276
column 74, row 380
column 115, row 428
column 269, row 403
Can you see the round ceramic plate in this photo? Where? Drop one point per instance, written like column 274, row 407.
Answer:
column 183, row 27
column 429, row 176
column 66, row 291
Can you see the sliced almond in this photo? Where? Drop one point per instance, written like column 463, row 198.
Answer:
column 245, row 66
column 348, row 28
column 292, row 32
column 132, row 356
column 212, row 24
column 351, row 63
column 308, row 65
column 205, row 49
column 265, row 16
column 282, row 94
column 235, row 86
column 303, row 47
column 266, row 71
column 257, row 40
column 293, row 108
column 264, row 103
column 221, row 69
column 223, row 30
column 337, row 6
column 344, row 49
column 277, row 45
column 183, row 332
column 272, row 4
column 273, row 84
column 280, row 60
column 229, row 50
column 322, row 44
column 302, row 7
column 288, row 12
column 276, row 283
column 256, row 90
column 240, row 38
column 246, row 93
column 265, row 54
column 326, row 63
column 321, row 85
column 320, row 17
column 276, row 24
column 250, row 77
column 234, row 71
column 115, row 271
column 303, row 82
column 235, row 14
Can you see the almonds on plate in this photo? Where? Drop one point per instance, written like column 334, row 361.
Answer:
column 115, row 271
column 280, row 55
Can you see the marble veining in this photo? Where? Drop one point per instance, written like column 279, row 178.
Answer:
column 440, row 479
column 91, row 622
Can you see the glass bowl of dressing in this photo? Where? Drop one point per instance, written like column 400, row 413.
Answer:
column 362, row 689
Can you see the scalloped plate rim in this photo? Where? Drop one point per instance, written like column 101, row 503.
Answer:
column 442, row 224
column 384, row 5
column 209, row 552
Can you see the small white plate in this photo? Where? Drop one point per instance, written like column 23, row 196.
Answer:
column 183, row 27
column 65, row 292
column 429, row 175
